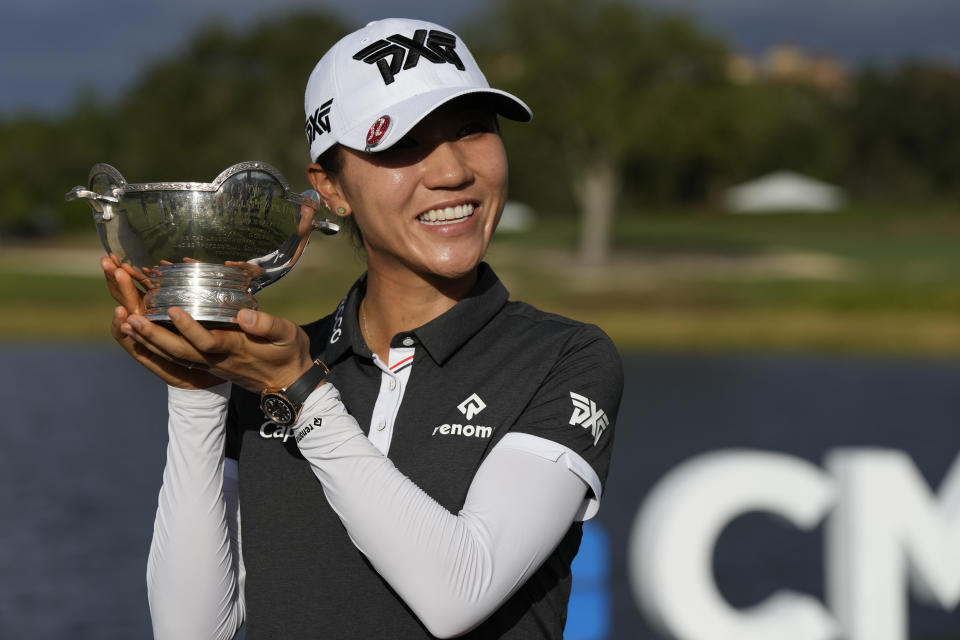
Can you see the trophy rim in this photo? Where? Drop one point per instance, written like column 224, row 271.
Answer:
column 124, row 187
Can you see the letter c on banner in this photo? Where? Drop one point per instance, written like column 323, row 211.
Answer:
column 676, row 529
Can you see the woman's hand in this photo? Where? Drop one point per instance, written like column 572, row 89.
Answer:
column 120, row 280
column 266, row 352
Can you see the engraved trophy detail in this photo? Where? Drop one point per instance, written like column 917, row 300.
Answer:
column 204, row 247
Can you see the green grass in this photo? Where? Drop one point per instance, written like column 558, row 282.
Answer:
column 868, row 279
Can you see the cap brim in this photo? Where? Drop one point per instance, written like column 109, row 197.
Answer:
column 405, row 115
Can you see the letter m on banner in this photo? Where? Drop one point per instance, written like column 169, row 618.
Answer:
column 889, row 526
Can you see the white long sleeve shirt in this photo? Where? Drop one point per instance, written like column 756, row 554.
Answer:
column 451, row 569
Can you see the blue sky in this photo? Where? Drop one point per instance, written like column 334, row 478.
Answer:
column 51, row 49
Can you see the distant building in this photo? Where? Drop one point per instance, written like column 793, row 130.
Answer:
column 742, row 69
column 784, row 191
column 791, row 65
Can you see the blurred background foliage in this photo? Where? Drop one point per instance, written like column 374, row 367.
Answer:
column 643, row 120
column 646, row 96
column 228, row 97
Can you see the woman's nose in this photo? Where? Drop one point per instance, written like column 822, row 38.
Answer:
column 446, row 167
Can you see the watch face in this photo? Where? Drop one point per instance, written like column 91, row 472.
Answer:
column 278, row 409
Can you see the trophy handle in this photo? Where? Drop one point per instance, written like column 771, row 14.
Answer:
column 101, row 203
column 324, row 226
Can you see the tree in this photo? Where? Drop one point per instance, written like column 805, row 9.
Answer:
column 229, row 97
column 226, row 98
column 604, row 80
column 904, row 128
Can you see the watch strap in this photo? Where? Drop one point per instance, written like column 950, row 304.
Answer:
column 303, row 386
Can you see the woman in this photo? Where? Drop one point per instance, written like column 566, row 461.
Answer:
column 434, row 482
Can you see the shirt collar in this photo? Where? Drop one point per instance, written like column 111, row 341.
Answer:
column 345, row 322
column 444, row 335
column 441, row 337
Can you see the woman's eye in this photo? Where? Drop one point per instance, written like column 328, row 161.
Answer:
column 473, row 127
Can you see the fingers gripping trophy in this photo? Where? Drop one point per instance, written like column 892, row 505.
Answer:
column 206, row 248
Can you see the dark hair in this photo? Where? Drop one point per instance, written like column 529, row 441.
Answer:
column 331, row 161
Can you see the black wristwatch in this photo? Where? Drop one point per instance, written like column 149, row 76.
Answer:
column 283, row 405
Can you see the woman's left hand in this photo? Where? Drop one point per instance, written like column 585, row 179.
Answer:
column 266, row 352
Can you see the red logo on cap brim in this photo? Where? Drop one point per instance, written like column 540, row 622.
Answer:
column 377, row 131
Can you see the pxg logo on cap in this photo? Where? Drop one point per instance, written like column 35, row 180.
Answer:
column 404, row 53
column 318, row 123
column 420, row 66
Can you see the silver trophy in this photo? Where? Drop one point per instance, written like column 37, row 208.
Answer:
column 204, row 247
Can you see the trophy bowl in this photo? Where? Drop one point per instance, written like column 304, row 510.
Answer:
column 206, row 247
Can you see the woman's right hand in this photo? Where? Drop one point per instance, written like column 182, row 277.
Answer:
column 120, row 280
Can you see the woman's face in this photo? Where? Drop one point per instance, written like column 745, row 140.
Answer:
column 429, row 204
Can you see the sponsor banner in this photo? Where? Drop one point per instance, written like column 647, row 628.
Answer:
column 781, row 497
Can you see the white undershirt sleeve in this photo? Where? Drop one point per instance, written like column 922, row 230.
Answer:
column 452, row 570
column 195, row 572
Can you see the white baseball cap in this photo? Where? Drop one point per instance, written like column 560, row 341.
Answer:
column 377, row 83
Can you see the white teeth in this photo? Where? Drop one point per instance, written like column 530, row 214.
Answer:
column 440, row 216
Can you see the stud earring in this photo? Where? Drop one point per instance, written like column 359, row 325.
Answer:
column 341, row 210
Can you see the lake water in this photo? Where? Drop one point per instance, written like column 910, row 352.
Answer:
column 83, row 437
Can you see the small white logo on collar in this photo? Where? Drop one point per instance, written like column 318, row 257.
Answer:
column 471, row 406
column 337, row 321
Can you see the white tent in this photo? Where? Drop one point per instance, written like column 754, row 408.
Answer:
column 516, row 217
column 783, row 191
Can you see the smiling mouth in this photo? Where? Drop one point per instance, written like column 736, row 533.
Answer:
column 447, row 215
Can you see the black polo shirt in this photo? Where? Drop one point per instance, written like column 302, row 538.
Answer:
column 453, row 389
